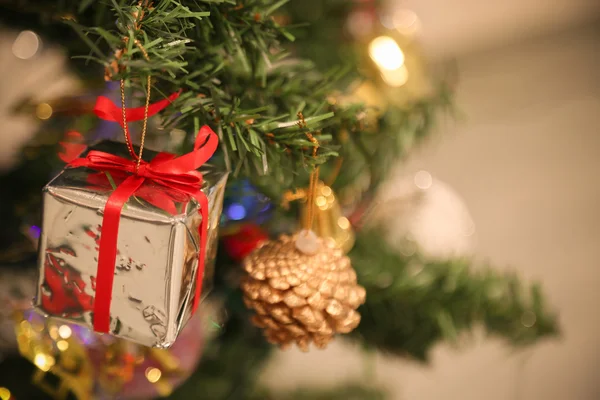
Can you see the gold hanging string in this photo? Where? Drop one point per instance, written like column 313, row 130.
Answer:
column 114, row 68
column 299, row 194
column 314, row 177
column 137, row 157
column 312, row 193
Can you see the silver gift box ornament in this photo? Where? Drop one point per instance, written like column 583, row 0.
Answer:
column 157, row 260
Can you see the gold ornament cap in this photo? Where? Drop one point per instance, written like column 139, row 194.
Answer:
column 307, row 242
column 328, row 220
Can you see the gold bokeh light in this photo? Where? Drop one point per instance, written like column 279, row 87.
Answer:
column 395, row 78
column 153, row 374
column 386, row 53
column 5, row 394
column 43, row 361
column 62, row 345
column 43, row 111
column 64, row 331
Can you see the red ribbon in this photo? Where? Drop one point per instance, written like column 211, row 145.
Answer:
column 109, row 111
column 178, row 174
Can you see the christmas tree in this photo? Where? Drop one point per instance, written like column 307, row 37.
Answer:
column 289, row 88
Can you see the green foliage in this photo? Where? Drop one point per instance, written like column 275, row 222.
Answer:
column 235, row 75
column 240, row 73
column 414, row 302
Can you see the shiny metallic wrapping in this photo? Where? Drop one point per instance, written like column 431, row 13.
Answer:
column 157, row 259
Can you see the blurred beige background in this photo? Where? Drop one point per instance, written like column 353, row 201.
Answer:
column 526, row 162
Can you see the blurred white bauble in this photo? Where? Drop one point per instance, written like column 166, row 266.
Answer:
column 31, row 72
column 417, row 211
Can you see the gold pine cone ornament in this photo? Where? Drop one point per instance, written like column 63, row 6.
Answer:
column 303, row 289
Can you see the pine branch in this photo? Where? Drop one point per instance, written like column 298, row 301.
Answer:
column 433, row 300
column 233, row 62
column 234, row 73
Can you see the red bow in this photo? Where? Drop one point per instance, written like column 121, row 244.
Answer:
column 178, row 174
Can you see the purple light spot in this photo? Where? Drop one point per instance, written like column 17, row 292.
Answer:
column 35, row 231
column 85, row 335
column 236, row 211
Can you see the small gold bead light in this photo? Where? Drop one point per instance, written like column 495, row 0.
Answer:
column 153, row 374
column 43, row 361
column 62, row 345
column 43, row 111
column 53, row 331
column 386, row 53
column 64, row 332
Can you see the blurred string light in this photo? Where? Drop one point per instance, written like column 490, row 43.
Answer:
column 396, row 77
column 86, row 336
column 26, row 45
column 5, row 394
column 32, row 232
column 153, row 374
column 64, row 331
column 43, row 111
column 62, row 345
column 386, row 53
column 389, row 58
column 244, row 203
column 53, row 331
column 236, row 212
column 44, row 361
column 423, row 180
column 406, row 22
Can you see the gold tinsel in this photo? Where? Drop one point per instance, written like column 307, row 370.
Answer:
column 301, row 298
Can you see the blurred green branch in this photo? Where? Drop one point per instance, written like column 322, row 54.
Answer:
column 414, row 302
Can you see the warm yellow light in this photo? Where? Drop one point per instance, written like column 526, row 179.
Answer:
column 326, row 191
column 64, row 332
column 386, row 53
column 4, row 393
column 321, row 202
column 153, row 374
column 343, row 222
column 25, row 327
column 43, row 111
column 395, row 78
column 53, row 330
column 62, row 345
column 43, row 361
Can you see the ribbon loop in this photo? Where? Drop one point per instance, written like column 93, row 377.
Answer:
column 107, row 110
